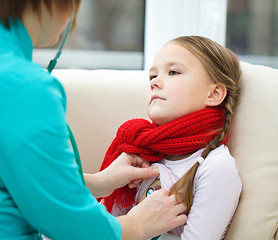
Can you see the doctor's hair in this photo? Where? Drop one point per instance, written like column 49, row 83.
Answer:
column 14, row 9
column 223, row 67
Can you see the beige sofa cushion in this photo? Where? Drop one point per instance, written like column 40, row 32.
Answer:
column 254, row 144
column 99, row 101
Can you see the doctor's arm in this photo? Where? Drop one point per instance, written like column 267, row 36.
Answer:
column 154, row 216
column 157, row 214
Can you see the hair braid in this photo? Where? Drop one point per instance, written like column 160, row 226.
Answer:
column 217, row 141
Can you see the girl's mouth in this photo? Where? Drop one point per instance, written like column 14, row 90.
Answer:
column 156, row 97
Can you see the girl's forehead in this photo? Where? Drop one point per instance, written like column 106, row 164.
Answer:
column 172, row 47
column 173, row 53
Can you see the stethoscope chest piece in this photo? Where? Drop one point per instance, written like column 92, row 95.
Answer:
column 151, row 189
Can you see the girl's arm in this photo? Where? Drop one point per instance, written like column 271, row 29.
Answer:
column 217, row 191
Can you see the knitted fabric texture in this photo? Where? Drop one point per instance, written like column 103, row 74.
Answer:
column 151, row 142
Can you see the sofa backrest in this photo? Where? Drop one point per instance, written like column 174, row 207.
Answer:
column 99, row 101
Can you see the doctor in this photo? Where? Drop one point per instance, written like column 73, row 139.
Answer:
column 41, row 190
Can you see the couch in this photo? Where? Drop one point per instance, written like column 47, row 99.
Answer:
column 99, row 101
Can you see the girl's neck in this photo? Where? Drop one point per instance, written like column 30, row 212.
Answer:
column 177, row 157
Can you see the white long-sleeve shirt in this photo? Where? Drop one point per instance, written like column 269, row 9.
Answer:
column 216, row 192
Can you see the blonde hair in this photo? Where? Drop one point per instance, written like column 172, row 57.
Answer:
column 223, row 67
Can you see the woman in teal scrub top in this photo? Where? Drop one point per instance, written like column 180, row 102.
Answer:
column 41, row 190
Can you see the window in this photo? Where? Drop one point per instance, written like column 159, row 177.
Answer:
column 167, row 19
column 252, row 31
column 117, row 34
column 109, row 34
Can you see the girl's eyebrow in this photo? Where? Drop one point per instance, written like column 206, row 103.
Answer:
column 175, row 63
column 169, row 64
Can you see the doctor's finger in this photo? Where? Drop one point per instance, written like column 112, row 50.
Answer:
column 137, row 161
column 180, row 208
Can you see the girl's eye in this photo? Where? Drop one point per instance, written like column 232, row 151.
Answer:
column 152, row 77
column 172, row 73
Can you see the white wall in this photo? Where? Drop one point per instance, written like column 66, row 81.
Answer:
column 167, row 19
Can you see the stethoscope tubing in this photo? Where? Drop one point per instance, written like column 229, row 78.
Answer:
column 50, row 67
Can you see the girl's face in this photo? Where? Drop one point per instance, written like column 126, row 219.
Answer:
column 179, row 84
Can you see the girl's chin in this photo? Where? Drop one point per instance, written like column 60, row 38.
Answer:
column 158, row 120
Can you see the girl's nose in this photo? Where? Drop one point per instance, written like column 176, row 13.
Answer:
column 155, row 83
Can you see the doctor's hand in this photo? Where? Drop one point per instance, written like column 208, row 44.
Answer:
column 132, row 170
column 155, row 215
column 127, row 169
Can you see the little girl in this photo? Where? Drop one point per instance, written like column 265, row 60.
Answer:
column 194, row 88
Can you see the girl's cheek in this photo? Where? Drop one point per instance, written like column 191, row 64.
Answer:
column 147, row 96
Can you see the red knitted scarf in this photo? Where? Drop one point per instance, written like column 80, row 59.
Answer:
column 151, row 142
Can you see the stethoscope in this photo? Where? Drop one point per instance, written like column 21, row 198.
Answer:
column 50, row 67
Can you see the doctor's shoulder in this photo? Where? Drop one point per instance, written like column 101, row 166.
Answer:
column 31, row 79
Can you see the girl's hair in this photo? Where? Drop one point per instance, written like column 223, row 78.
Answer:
column 223, row 67
column 15, row 8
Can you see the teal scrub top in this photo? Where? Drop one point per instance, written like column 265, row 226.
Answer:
column 41, row 190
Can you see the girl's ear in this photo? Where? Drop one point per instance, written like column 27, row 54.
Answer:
column 217, row 95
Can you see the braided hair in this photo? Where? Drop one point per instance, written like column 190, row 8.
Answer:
column 223, row 67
